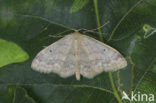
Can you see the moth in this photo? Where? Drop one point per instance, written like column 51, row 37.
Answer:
column 78, row 54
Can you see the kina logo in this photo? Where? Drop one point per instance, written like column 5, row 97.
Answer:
column 138, row 97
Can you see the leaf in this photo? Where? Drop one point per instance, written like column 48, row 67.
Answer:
column 77, row 5
column 21, row 96
column 29, row 24
column 14, row 94
column 154, row 69
column 59, row 94
column 148, row 87
column 11, row 53
column 6, row 94
column 148, row 30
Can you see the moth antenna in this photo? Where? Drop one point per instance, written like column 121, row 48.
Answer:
column 55, row 36
column 59, row 34
column 93, row 30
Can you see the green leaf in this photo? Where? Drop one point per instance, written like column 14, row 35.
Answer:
column 59, row 94
column 9, row 94
column 11, row 53
column 154, row 69
column 149, row 31
column 30, row 22
column 148, row 87
column 6, row 94
column 77, row 5
column 21, row 96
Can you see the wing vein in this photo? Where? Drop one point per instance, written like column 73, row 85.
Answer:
column 67, row 54
column 87, row 55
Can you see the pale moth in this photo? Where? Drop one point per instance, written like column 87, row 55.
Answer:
column 80, row 55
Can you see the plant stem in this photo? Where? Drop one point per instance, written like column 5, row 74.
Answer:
column 114, row 88
column 115, row 92
column 97, row 19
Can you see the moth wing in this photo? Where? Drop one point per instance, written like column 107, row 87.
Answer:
column 100, row 57
column 57, row 58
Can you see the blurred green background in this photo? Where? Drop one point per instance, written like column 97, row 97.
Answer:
column 28, row 23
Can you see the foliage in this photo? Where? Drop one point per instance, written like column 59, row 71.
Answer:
column 29, row 22
column 11, row 53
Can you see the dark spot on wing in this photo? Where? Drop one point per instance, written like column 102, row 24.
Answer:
column 50, row 50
